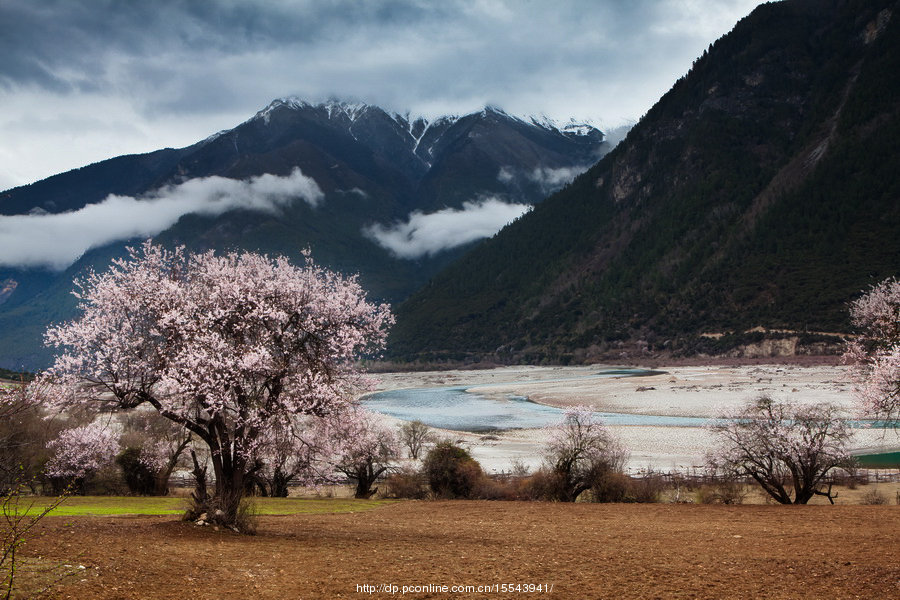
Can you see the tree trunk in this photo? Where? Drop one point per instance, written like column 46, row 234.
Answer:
column 200, row 495
column 280, row 484
column 225, row 507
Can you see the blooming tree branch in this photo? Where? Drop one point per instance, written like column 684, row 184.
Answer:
column 222, row 345
column 875, row 353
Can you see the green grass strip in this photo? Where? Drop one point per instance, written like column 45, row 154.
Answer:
column 883, row 460
column 85, row 506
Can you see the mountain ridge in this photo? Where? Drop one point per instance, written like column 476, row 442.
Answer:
column 366, row 166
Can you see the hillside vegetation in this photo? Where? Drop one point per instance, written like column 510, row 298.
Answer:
column 761, row 191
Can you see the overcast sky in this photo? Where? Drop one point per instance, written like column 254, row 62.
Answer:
column 81, row 81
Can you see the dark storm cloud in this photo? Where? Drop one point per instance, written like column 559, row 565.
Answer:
column 162, row 65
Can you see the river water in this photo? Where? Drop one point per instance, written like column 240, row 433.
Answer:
column 456, row 409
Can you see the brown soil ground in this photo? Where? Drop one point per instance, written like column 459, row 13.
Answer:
column 582, row 550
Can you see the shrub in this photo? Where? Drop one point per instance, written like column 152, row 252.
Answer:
column 541, row 485
column 451, row 471
column 727, row 491
column 645, row 489
column 138, row 477
column 406, row 483
column 874, row 497
column 246, row 518
column 610, row 486
column 20, row 518
column 504, row 488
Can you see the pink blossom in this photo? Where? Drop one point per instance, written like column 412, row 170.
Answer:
column 875, row 353
column 363, row 447
column 225, row 346
column 80, row 451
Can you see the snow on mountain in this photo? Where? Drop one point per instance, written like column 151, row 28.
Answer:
column 570, row 127
column 417, row 127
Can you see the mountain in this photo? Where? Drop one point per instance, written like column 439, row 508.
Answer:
column 750, row 204
column 358, row 185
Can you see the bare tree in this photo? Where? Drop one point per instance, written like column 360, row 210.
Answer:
column 415, row 435
column 580, row 451
column 25, row 429
column 787, row 449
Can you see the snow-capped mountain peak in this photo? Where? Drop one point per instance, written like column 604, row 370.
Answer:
column 571, row 127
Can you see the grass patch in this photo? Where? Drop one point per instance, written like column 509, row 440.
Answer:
column 881, row 460
column 89, row 506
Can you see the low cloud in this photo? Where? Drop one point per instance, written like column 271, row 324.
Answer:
column 432, row 233
column 551, row 180
column 505, row 175
column 355, row 191
column 58, row 240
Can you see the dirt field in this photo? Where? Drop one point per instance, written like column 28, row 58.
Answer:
column 583, row 551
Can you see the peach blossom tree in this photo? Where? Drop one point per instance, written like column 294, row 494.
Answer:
column 229, row 347
column 364, row 448
column 787, row 448
column 80, row 452
column 875, row 353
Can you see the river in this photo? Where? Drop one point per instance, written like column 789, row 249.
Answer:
column 456, row 409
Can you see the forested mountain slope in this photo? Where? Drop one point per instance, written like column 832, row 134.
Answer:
column 763, row 190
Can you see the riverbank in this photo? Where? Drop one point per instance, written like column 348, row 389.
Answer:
column 686, row 390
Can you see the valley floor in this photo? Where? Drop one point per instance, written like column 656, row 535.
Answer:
column 689, row 391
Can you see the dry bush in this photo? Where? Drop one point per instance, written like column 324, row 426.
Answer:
column 519, row 469
column 545, row 484
column 646, row 489
column 247, row 517
column 21, row 577
column 406, row 483
column 493, row 488
column 511, row 487
column 874, row 497
column 726, row 491
column 610, row 486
